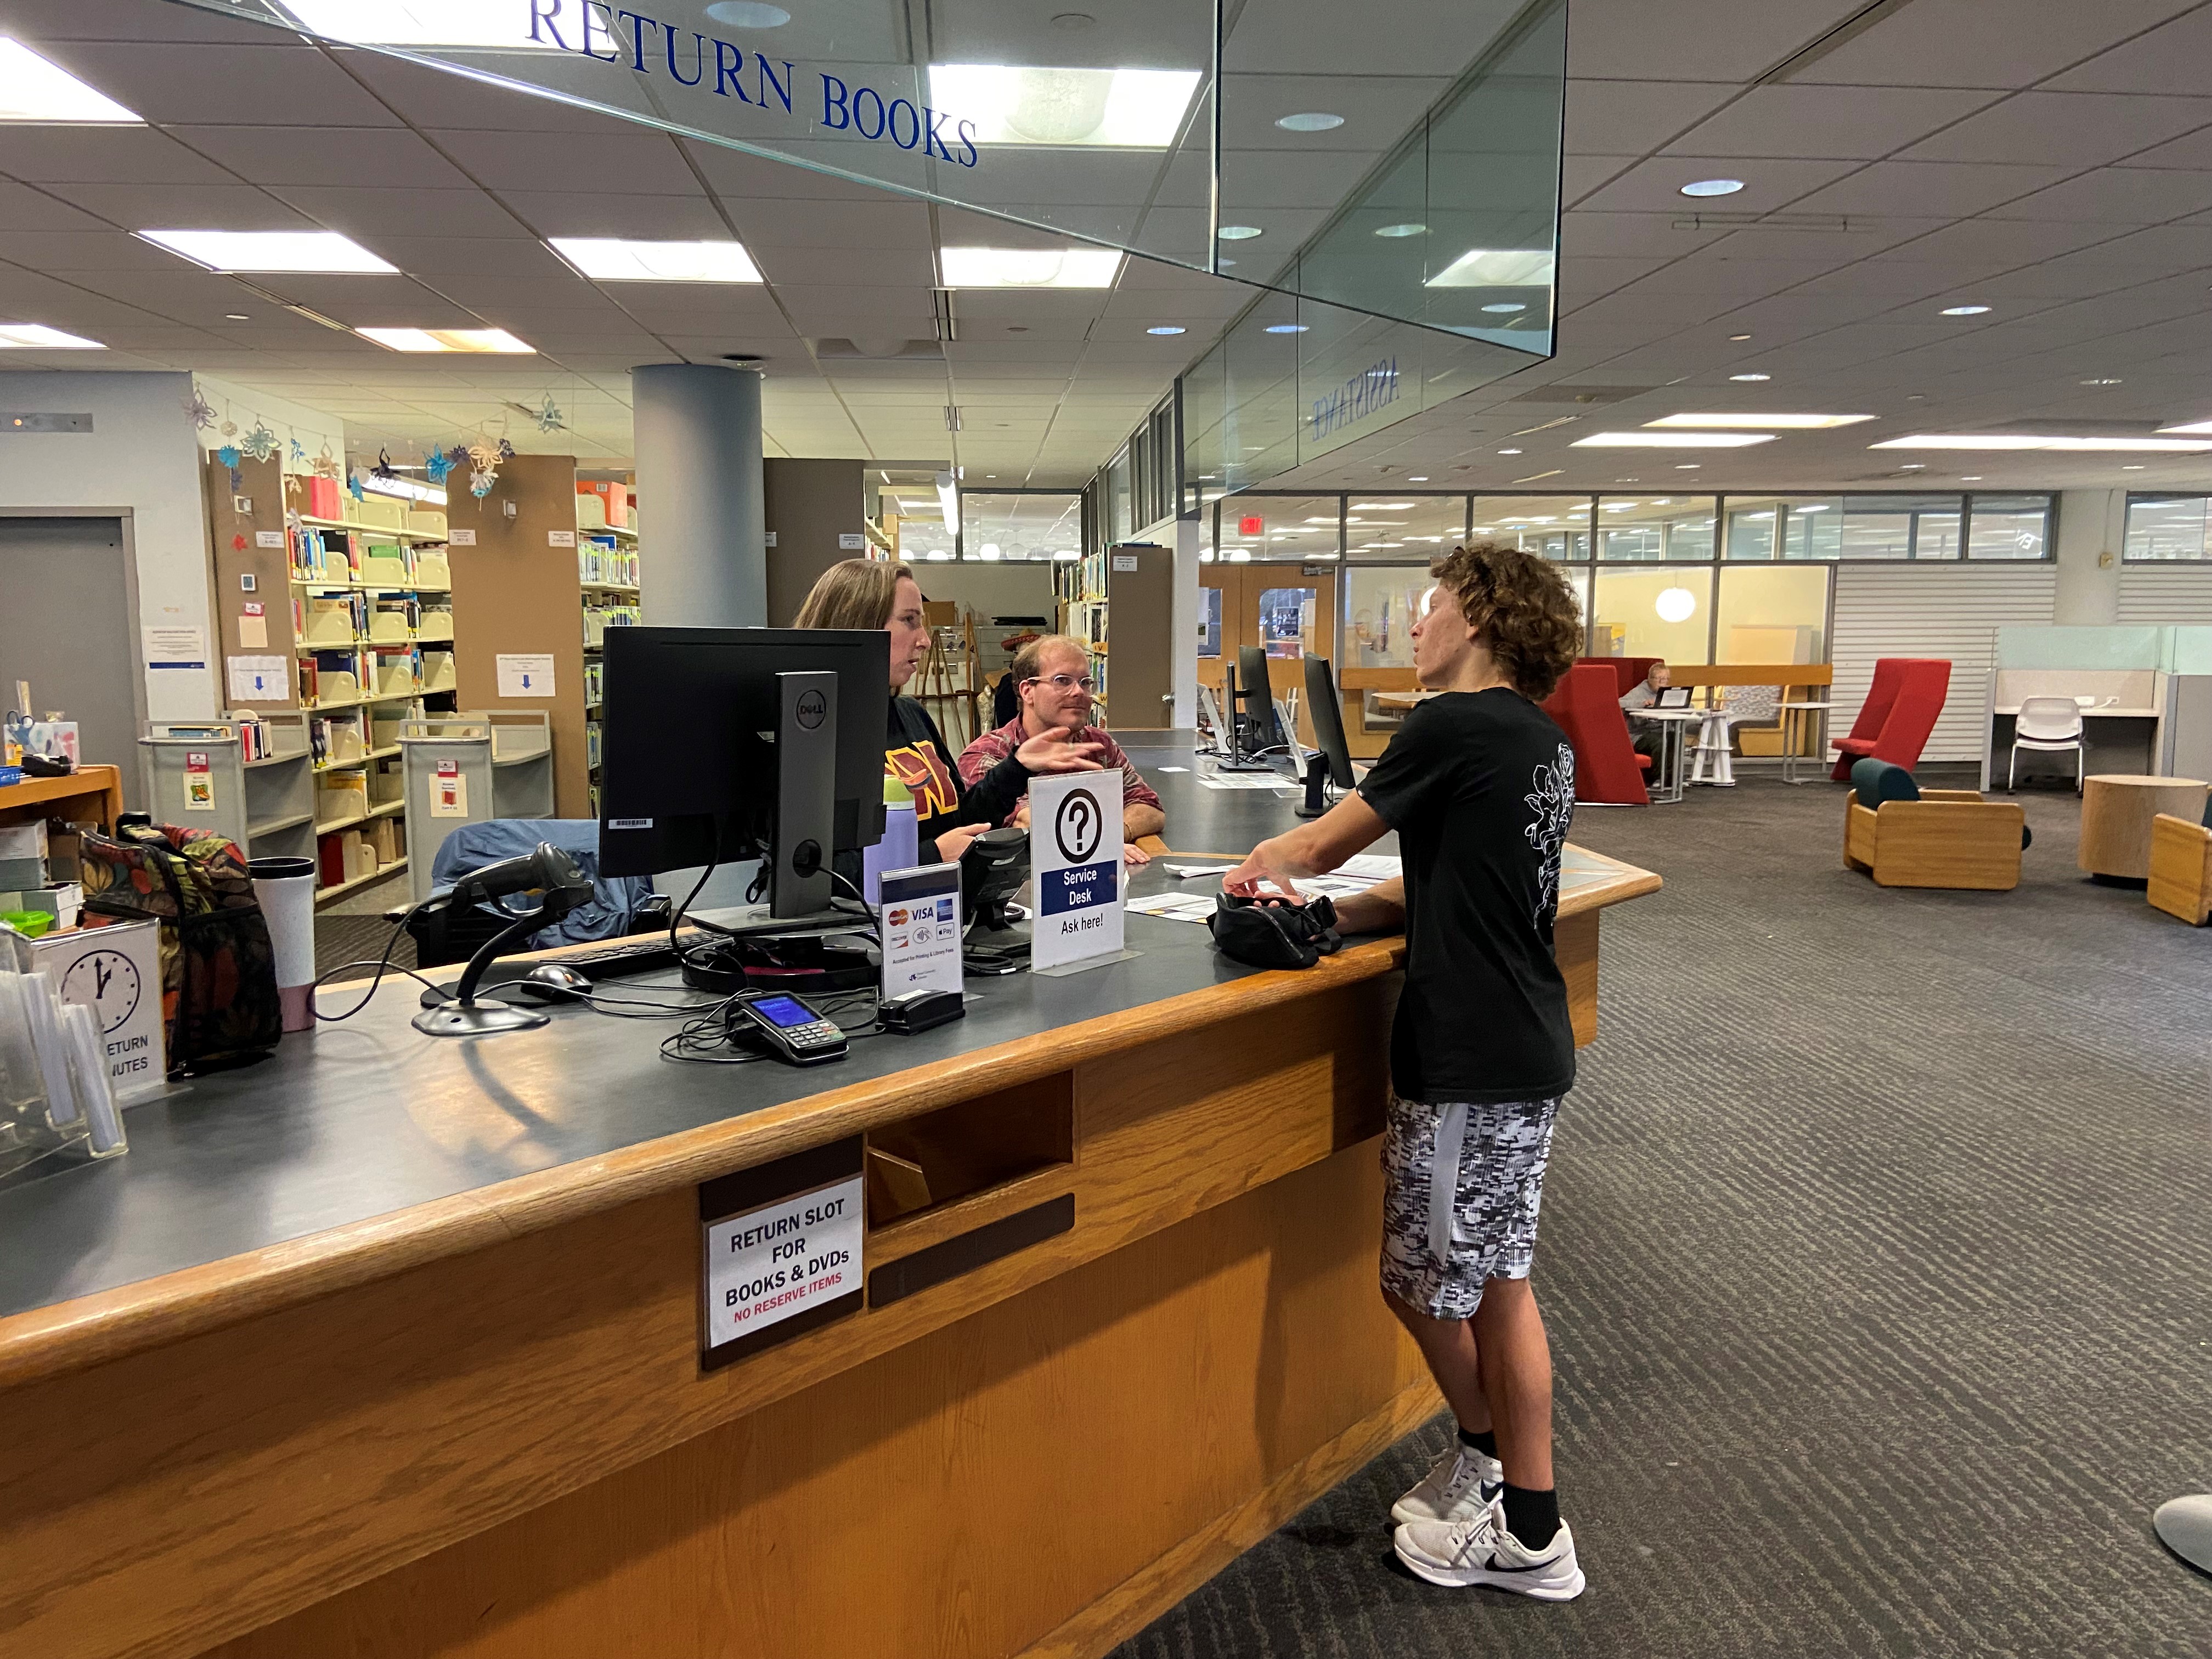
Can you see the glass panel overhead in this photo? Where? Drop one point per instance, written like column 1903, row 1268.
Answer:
column 1403, row 528
column 1659, row 613
column 2008, row 527
column 1012, row 527
column 1439, row 125
column 1289, row 527
column 1651, row 529
column 1556, row 527
column 1383, row 605
column 1843, row 526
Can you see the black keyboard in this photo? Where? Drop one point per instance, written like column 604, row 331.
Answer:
column 640, row 953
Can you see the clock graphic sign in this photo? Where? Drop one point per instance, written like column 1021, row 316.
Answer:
column 106, row 982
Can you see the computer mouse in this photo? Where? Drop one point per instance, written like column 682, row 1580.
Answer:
column 553, row 981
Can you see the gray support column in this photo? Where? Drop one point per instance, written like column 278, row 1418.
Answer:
column 698, row 437
column 2090, row 527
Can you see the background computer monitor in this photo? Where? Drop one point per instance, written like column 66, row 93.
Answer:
column 681, row 715
column 1257, row 697
column 1327, row 717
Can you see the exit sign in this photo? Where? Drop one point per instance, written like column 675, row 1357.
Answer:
column 1251, row 525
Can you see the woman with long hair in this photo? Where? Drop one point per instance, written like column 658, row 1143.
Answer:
column 948, row 813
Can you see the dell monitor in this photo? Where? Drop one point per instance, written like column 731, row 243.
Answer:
column 714, row 751
column 1332, row 764
column 1256, row 692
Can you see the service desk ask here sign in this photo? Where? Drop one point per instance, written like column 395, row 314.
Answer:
column 1075, row 855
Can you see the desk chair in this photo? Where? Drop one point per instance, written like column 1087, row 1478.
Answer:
column 2047, row 725
column 2180, row 869
column 1904, row 836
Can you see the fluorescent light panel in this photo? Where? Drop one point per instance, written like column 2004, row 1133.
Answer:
column 1022, row 267
column 433, row 22
column 1788, row 422
column 1487, row 267
column 494, row 340
column 611, row 259
column 34, row 89
column 37, row 337
column 1127, row 108
column 321, row 251
column 2013, row 440
column 1671, row 440
column 2192, row 427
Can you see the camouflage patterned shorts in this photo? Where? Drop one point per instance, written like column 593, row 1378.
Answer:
column 1461, row 1187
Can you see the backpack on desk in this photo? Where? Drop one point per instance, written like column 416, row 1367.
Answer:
column 219, row 997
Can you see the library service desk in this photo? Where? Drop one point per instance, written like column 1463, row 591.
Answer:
column 389, row 1347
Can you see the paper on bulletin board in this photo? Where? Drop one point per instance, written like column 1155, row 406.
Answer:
column 1075, row 854
column 462, row 538
column 525, row 675
column 175, row 648
column 260, row 679
column 269, row 538
column 253, row 631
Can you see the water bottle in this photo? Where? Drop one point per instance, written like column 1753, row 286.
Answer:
column 897, row 849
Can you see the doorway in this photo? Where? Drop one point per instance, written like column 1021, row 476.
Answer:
column 67, row 631
column 1288, row 610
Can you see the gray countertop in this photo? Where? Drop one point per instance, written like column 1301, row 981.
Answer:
column 366, row 1117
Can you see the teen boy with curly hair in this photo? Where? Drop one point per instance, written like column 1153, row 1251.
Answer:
column 1479, row 785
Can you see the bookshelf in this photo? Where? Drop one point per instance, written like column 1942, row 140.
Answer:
column 1134, row 583
column 1079, row 590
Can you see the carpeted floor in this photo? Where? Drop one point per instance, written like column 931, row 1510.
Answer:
column 1878, row 1262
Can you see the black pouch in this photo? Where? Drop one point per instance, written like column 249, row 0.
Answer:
column 1273, row 932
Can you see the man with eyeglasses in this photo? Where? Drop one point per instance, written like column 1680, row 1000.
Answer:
column 1052, row 674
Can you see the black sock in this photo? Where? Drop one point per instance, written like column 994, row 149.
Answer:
column 1485, row 1443
column 1532, row 1516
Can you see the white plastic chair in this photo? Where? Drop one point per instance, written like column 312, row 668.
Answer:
column 2048, row 726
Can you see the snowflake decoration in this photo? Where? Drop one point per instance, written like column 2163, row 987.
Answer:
column 481, row 481
column 299, row 452
column 326, row 464
column 228, row 456
column 384, row 469
column 260, row 443
column 201, row 411
column 481, row 456
column 354, row 488
column 458, row 456
column 229, row 428
column 505, row 450
column 435, row 466
column 549, row 416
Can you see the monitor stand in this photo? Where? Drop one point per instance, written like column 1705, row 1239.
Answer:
column 987, row 951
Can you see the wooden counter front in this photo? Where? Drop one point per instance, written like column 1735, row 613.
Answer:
column 481, row 1427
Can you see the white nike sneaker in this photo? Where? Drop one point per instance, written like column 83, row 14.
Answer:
column 1459, row 1485
column 1482, row 1552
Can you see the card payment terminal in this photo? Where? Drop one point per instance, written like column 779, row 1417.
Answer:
column 788, row 1029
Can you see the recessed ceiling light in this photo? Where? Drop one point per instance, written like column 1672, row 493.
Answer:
column 1074, row 22
column 1739, row 337
column 2023, row 440
column 236, row 317
column 1964, row 311
column 1970, row 477
column 1022, row 267
column 321, row 251
column 411, row 23
column 1402, row 230
column 751, row 15
column 1509, row 451
column 34, row 89
column 1286, row 328
column 37, row 337
column 1310, row 121
column 1128, row 108
column 1685, row 466
column 1497, row 267
column 1418, row 477
column 495, row 340
column 1914, row 466
column 1515, row 305
column 1648, row 440
column 2100, row 383
column 1163, row 329
column 615, row 260
column 1239, row 232
column 2133, row 466
column 1751, row 377
column 1794, row 423
column 1713, row 187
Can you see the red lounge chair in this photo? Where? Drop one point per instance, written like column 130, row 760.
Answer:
column 1630, row 671
column 1608, row 772
column 1900, row 710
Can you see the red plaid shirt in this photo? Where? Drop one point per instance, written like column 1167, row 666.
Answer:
column 987, row 751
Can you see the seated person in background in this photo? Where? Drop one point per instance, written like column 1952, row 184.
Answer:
column 1052, row 673
column 1646, row 735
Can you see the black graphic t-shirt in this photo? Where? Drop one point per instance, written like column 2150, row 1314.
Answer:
column 1480, row 787
column 915, row 754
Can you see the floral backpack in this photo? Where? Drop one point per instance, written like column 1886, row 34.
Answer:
column 218, row 970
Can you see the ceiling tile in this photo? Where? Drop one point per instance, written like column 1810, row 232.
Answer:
column 325, row 155
column 2168, row 58
column 633, row 163
column 188, row 207
column 1948, row 189
column 273, row 81
column 881, row 221
column 118, row 155
column 1733, row 40
column 374, row 212
column 2083, row 130
column 23, row 207
column 2135, row 196
column 659, row 218
column 1953, row 43
column 1656, row 186
column 1825, row 121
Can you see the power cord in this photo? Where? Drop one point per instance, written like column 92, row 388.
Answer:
column 382, row 964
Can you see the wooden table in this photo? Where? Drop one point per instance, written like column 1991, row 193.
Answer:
column 2117, row 810
column 90, row 792
column 389, row 1347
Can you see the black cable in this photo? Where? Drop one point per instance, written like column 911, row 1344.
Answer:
column 676, row 917
column 383, row 964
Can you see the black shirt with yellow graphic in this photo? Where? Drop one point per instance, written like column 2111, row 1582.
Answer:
column 914, row 753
